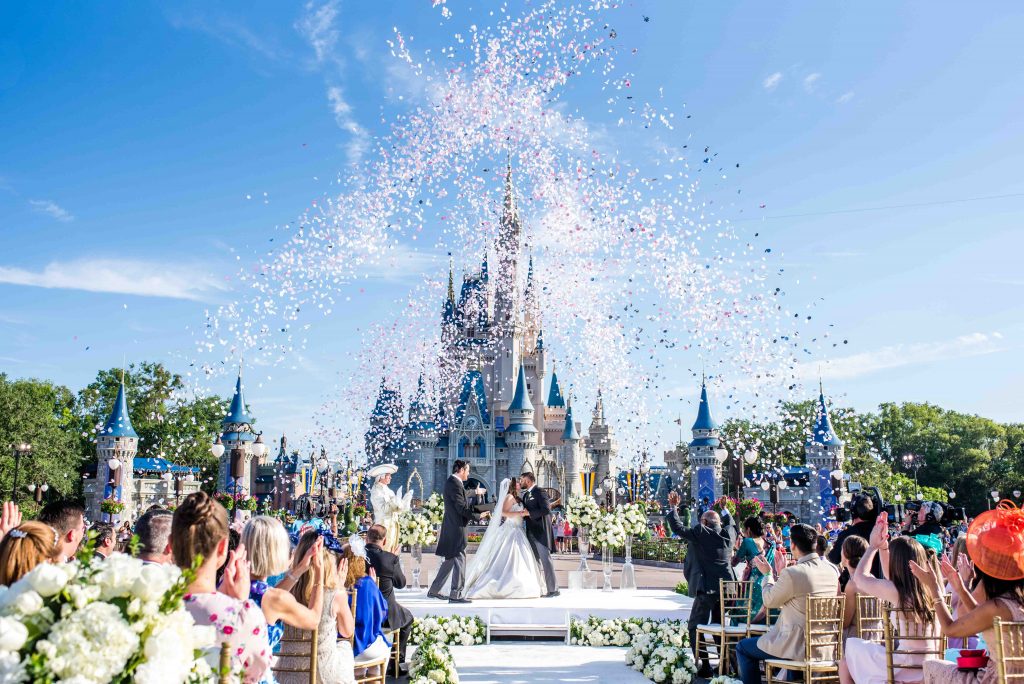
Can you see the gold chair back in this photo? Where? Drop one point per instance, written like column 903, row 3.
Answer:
column 823, row 626
column 298, row 653
column 734, row 601
column 1009, row 651
column 353, row 595
column 869, row 619
column 225, row 664
column 908, row 642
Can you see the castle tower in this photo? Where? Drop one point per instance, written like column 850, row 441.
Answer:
column 421, row 438
column 118, row 441
column 705, row 454
column 521, row 435
column 601, row 442
column 508, row 327
column 554, row 413
column 237, row 433
column 571, row 455
column 825, row 454
column 386, row 425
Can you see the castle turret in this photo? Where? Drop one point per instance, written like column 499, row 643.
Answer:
column 237, row 433
column 554, row 412
column 601, row 442
column 571, row 454
column 117, row 442
column 825, row 453
column 521, row 435
column 705, row 454
column 421, row 437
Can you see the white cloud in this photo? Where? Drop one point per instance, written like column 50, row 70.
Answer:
column 143, row 278
column 810, row 81
column 360, row 141
column 317, row 26
column 900, row 355
column 52, row 209
column 845, row 97
column 229, row 31
column 772, row 81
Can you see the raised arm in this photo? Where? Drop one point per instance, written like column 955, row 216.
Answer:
column 866, row 582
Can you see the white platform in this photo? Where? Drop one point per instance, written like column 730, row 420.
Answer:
column 550, row 616
column 538, row 662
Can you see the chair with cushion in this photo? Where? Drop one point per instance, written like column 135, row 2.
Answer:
column 370, row 671
column 908, row 643
column 734, row 608
column 759, row 628
column 1008, row 651
column 823, row 643
column 298, row 653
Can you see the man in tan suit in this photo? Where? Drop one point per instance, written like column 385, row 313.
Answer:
column 810, row 576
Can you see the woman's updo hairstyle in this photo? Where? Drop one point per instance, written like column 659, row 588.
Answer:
column 200, row 523
column 25, row 547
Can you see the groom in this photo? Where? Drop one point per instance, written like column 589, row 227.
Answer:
column 538, row 528
column 451, row 544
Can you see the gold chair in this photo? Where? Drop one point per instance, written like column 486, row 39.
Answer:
column 771, row 616
column 908, row 643
column 370, row 671
column 225, row 664
column 869, row 619
column 823, row 643
column 1009, row 651
column 734, row 609
column 295, row 656
column 396, row 649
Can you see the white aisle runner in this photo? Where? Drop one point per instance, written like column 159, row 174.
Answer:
column 538, row 662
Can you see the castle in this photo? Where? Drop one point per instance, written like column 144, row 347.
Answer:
column 490, row 407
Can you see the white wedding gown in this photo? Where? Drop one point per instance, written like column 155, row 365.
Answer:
column 504, row 567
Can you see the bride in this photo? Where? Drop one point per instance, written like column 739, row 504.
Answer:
column 505, row 566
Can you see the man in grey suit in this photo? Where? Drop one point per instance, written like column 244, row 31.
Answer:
column 451, row 544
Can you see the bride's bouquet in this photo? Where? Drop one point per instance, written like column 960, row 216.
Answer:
column 415, row 528
column 633, row 517
column 608, row 530
column 115, row 621
column 582, row 511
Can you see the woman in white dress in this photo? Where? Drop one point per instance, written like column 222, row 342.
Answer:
column 505, row 566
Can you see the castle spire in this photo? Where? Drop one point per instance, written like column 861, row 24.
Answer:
column 119, row 423
column 705, row 429
column 521, row 400
column 823, row 432
column 570, row 433
column 237, row 413
column 451, row 280
column 555, row 398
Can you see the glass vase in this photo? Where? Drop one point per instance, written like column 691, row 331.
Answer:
column 628, row 580
column 584, row 544
column 417, row 568
column 606, row 566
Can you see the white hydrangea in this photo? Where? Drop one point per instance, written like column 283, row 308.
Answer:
column 13, row 634
column 94, row 643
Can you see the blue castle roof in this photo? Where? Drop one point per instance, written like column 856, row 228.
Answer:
column 555, row 397
column 521, row 399
column 237, row 412
column 160, row 465
column 473, row 381
column 704, row 419
column 119, row 424
column 823, row 433
column 570, row 432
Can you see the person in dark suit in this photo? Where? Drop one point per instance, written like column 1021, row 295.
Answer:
column 451, row 543
column 390, row 577
column 538, row 528
column 711, row 542
column 678, row 520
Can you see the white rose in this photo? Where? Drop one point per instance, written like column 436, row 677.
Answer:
column 47, row 579
column 12, row 634
column 12, row 670
column 28, row 602
column 436, row 676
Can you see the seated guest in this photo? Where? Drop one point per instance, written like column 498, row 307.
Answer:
column 25, row 547
column 811, row 575
column 754, row 544
column 105, row 540
column 853, row 551
column 965, row 569
column 154, row 531
column 68, row 518
column 267, row 546
column 335, row 664
column 864, row 662
column 821, row 546
column 390, row 577
column 371, row 608
column 199, row 534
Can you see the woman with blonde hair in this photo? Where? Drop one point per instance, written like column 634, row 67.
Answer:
column 25, row 547
column 334, row 656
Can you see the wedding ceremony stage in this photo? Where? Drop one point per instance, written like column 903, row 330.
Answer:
column 551, row 616
column 537, row 663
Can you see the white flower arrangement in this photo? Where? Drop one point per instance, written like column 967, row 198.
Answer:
column 456, row 630
column 595, row 631
column 608, row 530
column 116, row 621
column 582, row 511
column 415, row 528
column 661, row 661
column 433, row 508
column 724, row 679
column 432, row 663
column 633, row 517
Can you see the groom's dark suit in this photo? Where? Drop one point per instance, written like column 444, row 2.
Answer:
column 538, row 532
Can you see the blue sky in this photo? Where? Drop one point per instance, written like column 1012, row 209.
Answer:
column 150, row 150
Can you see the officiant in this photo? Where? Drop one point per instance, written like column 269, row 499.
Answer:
column 387, row 506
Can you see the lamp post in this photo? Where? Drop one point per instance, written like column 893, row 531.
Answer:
column 324, row 466
column 20, row 449
column 773, row 483
column 39, row 491
column 914, row 462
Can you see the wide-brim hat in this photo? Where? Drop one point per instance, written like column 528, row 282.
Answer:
column 995, row 542
column 382, row 469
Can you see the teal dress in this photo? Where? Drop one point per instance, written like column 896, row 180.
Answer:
column 746, row 553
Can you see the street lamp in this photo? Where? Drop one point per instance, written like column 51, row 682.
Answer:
column 324, row 466
column 217, row 448
column 914, row 462
column 39, row 491
column 20, row 449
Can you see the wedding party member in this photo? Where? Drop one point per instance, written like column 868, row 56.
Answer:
column 154, row 532
column 68, row 518
column 538, row 528
column 335, row 664
column 505, row 565
column 811, row 575
column 200, row 528
column 451, row 543
column 387, row 505
column 268, row 548
column 754, row 544
column 389, row 577
column 864, row 662
column 371, row 610
column 106, row 540
column 23, row 548
column 711, row 542
column 678, row 520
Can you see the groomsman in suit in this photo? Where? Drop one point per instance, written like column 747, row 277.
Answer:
column 390, row 577
column 538, row 528
column 451, row 544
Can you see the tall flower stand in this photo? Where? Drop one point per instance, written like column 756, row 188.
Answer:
column 584, row 547
column 628, row 580
column 606, row 566
column 417, row 569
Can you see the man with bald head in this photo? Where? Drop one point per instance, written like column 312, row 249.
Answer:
column 711, row 542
